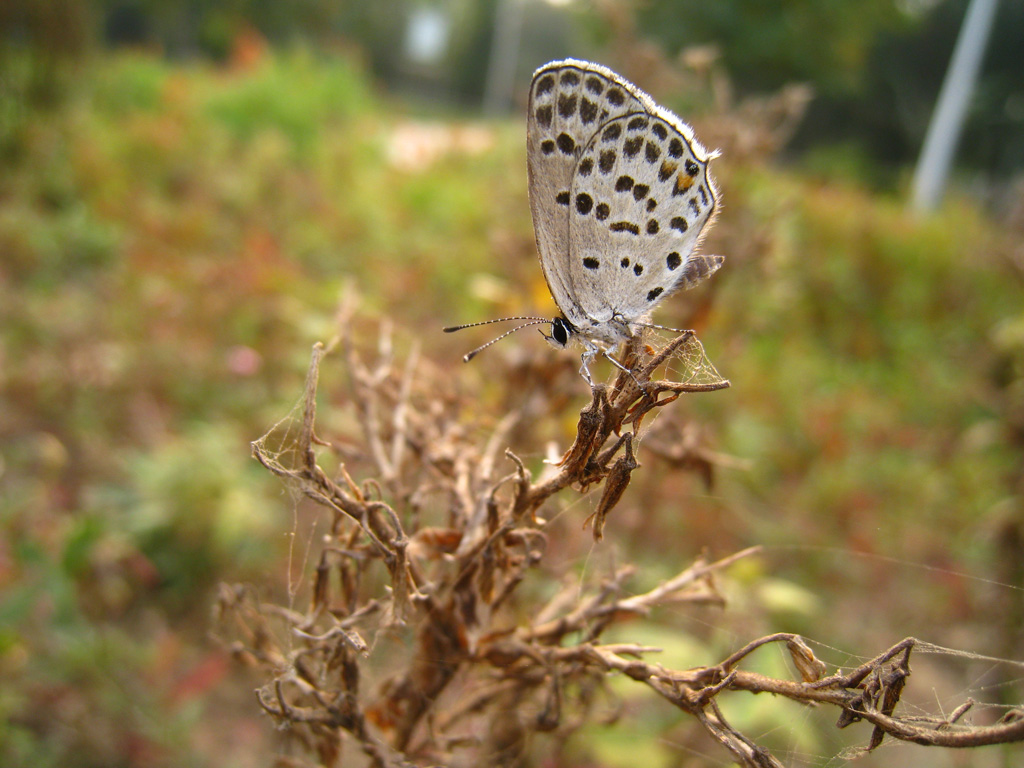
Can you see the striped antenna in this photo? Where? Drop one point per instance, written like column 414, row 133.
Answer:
column 453, row 328
column 470, row 355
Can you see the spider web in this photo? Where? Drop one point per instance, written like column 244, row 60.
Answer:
column 688, row 364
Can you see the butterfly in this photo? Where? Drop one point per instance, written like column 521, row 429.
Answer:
column 620, row 195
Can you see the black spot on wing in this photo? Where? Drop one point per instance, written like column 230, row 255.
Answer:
column 562, row 198
column 588, row 111
column 624, row 184
column 545, row 84
column 654, row 293
column 616, row 97
column 584, row 203
column 591, row 263
column 543, row 116
column 631, row 147
column 586, row 166
column 653, row 227
column 570, row 77
column 637, row 123
column 625, row 226
column 602, row 211
column 547, row 146
column 651, row 152
column 660, row 131
column 612, row 132
column 691, row 167
column 673, row 260
column 675, row 148
column 594, row 85
column 606, row 161
column 679, row 223
column 565, row 143
column 566, row 105
column 640, row 192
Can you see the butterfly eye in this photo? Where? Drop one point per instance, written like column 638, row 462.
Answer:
column 559, row 332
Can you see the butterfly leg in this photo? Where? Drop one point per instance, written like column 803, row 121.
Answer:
column 621, row 367
column 589, row 353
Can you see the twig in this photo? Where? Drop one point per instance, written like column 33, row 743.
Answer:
column 418, row 621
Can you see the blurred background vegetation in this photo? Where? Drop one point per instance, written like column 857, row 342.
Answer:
column 187, row 187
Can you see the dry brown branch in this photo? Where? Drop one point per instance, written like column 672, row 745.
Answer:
column 420, row 645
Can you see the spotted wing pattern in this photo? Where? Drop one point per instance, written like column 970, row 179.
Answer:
column 639, row 201
column 619, row 192
column 569, row 102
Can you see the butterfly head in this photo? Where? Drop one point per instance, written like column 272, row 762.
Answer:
column 561, row 331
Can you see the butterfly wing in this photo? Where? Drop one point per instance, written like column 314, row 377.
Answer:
column 569, row 101
column 640, row 199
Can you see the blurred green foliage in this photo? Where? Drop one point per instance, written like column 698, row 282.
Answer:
column 766, row 46
column 175, row 237
column 865, row 354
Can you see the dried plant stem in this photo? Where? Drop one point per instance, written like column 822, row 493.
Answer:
column 434, row 550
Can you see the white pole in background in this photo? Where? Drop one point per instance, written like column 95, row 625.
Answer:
column 501, row 69
column 948, row 119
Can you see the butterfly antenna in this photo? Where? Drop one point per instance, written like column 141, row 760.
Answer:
column 535, row 321
column 470, row 355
